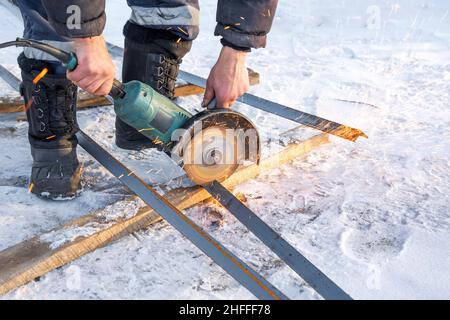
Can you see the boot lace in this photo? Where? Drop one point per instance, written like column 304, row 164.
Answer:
column 166, row 76
column 62, row 111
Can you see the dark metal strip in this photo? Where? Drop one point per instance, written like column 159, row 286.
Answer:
column 240, row 271
column 299, row 263
column 301, row 117
column 9, row 78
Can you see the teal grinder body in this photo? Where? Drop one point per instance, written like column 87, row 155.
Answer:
column 151, row 113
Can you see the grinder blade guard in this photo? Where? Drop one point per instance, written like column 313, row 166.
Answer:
column 213, row 144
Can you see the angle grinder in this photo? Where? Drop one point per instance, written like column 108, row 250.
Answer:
column 210, row 145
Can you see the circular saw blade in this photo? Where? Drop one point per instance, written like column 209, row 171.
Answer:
column 213, row 146
column 210, row 155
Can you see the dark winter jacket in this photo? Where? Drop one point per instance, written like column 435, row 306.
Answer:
column 243, row 23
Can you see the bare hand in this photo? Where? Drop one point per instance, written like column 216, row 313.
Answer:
column 95, row 71
column 228, row 79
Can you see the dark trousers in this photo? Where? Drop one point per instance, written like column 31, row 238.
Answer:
column 149, row 17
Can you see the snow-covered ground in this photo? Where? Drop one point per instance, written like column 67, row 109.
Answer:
column 374, row 215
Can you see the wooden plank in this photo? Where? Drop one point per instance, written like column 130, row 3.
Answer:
column 33, row 258
column 11, row 104
column 187, row 90
column 85, row 100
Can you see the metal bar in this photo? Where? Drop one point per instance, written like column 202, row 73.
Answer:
column 298, row 116
column 240, row 271
column 9, row 78
column 299, row 263
column 114, row 51
column 301, row 117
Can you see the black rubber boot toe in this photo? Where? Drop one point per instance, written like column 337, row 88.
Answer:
column 56, row 173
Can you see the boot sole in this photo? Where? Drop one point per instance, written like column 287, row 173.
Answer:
column 64, row 194
column 45, row 195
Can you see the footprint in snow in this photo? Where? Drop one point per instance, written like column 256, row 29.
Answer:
column 375, row 245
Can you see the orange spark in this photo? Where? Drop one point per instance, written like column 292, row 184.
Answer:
column 147, row 129
column 181, row 29
column 30, row 188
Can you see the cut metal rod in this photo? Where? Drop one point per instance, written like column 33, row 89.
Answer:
column 240, row 271
column 9, row 78
column 298, row 116
column 294, row 259
column 301, row 117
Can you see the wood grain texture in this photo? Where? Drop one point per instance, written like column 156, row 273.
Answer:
column 33, row 258
column 85, row 100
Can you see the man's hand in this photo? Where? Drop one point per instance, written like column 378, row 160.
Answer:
column 95, row 71
column 228, row 79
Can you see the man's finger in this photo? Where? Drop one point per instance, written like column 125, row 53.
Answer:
column 222, row 105
column 74, row 76
column 85, row 83
column 221, row 99
column 94, row 86
column 231, row 104
column 209, row 95
column 104, row 89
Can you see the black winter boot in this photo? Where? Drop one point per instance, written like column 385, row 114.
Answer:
column 152, row 57
column 52, row 122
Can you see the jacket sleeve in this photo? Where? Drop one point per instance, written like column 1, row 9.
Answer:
column 76, row 18
column 245, row 23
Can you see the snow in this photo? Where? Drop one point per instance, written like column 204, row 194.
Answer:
column 374, row 215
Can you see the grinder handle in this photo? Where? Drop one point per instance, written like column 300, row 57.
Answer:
column 70, row 61
column 117, row 90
